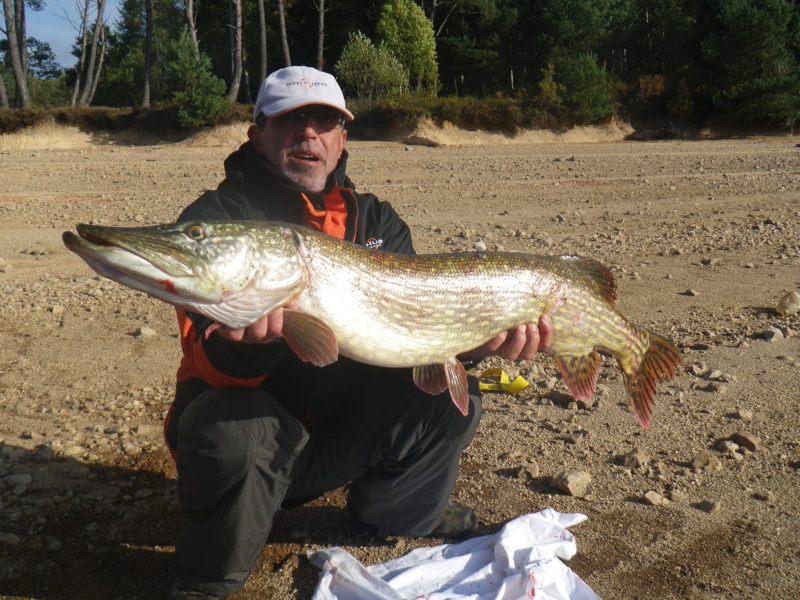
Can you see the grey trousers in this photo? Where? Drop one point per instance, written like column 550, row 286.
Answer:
column 241, row 454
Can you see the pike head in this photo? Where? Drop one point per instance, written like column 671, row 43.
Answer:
column 232, row 272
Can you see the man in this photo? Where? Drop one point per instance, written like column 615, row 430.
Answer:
column 254, row 428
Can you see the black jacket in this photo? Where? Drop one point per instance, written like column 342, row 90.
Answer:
column 253, row 189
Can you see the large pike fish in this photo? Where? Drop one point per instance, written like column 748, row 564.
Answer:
column 385, row 309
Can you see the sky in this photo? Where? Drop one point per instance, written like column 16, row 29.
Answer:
column 52, row 26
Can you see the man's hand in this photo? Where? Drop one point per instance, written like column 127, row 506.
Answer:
column 520, row 343
column 262, row 331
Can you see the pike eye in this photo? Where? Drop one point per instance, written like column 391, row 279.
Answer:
column 196, row 232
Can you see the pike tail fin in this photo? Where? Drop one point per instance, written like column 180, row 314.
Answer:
column 659, row 363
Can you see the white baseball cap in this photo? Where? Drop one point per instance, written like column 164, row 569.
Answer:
column 293, row 87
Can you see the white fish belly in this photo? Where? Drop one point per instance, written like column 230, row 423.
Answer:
column 406, row 321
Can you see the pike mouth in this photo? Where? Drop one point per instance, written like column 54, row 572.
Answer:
column 141, row 264
column 161, row 254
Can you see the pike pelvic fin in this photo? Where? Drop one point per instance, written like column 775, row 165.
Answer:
column 434, row 379
column 579, row 372
column 659, row 363
column 309, row 338
column 596, row 274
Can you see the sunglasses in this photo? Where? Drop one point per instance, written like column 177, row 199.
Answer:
column 324, row 120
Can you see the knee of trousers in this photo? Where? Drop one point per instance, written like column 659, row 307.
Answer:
column 224, row 434
column 450, row 423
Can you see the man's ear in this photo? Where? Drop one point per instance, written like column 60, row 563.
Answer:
column 254, row 135
column 344, row 139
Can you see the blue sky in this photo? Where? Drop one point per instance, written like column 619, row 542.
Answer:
column 51, row 25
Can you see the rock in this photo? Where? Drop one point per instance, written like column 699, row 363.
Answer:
column 788, row 306
column 690, row 292
column 634, row 459
column 5, row 266
column 17, row 479
column 728, row 447
column 773, row 334
column 131, row 449
column 572, row 482
column 528, row 470
column 698, row 369
column 710, row 506
column 654, row 499
column 145, row 429
column 676, row 496
column 766, row 496
column 144, row 332
column 748, row 440
column 716, row 387
column 92, row 528
column 12, row 539
column 704, row 460
column 744, row 415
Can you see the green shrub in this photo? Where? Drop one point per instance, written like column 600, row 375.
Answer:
column 585, row 89
column 408, row 34
column 369, row 73
column 198, row 94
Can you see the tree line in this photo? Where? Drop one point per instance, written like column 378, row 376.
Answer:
column 688, row 59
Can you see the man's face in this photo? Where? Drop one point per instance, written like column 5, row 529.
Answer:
column 303, row 144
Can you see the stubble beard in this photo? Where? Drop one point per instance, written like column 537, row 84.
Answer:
column 310, row 182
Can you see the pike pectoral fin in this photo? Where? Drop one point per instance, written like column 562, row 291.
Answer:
column 434, row 379
column 309, row 338
column 579, row 372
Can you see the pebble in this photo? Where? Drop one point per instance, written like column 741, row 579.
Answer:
column 12, row 539
column 572, row 482
column 748, row 440
column 698, row 369
column 710, row 506
column 788, row 306
column 654, row 499
column 634, row 459
column 773, row 334
column 766, row 496
column 704, row 460
column 676, row 496
column 728, row 446
column 17, row 479
column 144, row 332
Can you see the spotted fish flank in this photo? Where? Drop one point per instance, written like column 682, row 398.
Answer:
column 381, row 308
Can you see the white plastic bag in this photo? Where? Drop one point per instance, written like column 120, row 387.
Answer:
column 521, row 561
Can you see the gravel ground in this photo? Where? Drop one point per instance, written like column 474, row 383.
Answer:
column 703, row 236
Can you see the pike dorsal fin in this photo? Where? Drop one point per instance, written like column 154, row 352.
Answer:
column 309, row 338
column 597, row 274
